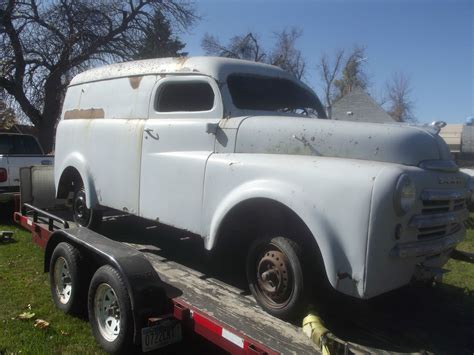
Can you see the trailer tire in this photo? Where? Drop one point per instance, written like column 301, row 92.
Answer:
column 275, row 276
column 82, row 215
column 110, row 311
column 68, row 290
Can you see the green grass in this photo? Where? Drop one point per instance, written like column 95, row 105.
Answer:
column 462, row 273
column 24, row 287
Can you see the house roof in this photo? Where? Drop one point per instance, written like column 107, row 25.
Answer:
column 216, row 67
column 359, row 106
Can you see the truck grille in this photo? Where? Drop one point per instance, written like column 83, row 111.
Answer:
column 443, row 213
column 440, row 206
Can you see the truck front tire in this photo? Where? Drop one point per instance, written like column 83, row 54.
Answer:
column 110, row 311
column 67, row 286
column 275, row 276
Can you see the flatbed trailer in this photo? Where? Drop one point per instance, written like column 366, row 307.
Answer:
column 167, row 290
column 206, row 306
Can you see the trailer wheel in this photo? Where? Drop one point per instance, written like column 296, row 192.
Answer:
column 275, row 276
column 110, row 312
column 84, row 216
column 67, row 288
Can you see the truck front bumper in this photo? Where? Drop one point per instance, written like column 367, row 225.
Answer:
column 426, row 248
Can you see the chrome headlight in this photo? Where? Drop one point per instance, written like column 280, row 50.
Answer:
column 405, row 195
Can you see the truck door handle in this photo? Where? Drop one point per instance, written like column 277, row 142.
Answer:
column 211, row 128
column 150, row 131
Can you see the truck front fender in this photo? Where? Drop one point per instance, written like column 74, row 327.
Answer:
column 293, row 198
column 331, row 196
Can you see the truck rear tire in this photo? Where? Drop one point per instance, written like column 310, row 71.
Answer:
column 110, row 311
column 275, row 276
column 83, row 215
column 67, row 287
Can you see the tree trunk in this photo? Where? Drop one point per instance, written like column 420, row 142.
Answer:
column 51, row 111
column 46, row 135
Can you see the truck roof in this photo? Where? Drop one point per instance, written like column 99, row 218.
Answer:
column 216, row 67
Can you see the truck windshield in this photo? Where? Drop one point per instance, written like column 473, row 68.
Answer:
column 11, row 144
column 251, row 92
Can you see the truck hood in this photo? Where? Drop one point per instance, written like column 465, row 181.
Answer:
column 394, row 143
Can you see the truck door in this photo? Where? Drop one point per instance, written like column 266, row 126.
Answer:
column 175, row 149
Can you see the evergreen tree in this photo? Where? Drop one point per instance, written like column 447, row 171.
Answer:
column 159, row 41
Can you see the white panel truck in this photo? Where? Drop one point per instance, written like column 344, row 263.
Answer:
column 240, row 154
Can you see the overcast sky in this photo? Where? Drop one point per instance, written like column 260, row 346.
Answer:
column 429, row 40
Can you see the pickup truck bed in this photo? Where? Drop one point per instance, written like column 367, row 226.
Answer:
column 17, row 151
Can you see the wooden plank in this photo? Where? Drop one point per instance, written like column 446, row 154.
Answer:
column 231, row 308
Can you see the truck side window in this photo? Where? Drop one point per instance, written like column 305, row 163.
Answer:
column 185, row 97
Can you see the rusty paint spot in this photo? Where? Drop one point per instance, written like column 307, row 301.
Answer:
column 89, row 113
column 181, row 61
column 135, row 81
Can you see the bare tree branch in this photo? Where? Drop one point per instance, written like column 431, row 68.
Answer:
column 284, row 53
column 398, row 90
column 353, row 73
column 329, row 70
column 43, row 44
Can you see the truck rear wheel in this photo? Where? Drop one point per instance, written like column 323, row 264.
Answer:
column 110, row 312
column 83, row 215
column 67, row 287
column 275, row 276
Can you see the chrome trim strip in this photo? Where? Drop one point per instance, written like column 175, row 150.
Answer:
column 439, row 165
column 439, row 219
column 431, row 247
column 444, row 195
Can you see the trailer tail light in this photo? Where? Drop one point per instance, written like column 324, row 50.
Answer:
column 3, row 175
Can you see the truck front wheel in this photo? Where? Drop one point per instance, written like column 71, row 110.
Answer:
column 83, row 215
column 275, row 276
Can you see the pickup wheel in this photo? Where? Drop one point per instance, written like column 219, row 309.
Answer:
column 275, row 276
column 67, row 287
column 110, row 311
column 84, row 216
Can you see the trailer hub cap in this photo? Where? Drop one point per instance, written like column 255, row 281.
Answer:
column 272, row 276
column 107, row 312
column 62, row 280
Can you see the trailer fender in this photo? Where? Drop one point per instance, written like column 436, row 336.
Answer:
column 145, row 288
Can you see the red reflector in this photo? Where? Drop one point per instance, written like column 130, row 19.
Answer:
column 3, row 175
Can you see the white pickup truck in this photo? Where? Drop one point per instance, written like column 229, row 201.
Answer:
column 241, row 154
column 17, row 151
